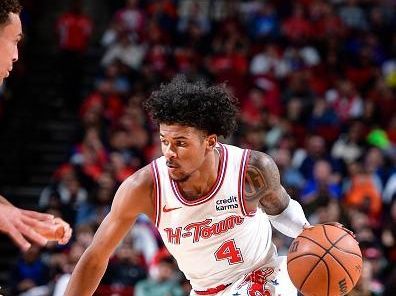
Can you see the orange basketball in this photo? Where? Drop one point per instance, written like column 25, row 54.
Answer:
column 324, row 260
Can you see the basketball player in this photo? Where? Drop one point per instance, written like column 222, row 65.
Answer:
column 22, row 225
column 212, row 203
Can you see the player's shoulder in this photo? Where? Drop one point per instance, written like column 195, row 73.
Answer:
column 135, row 194
column 142, row 179
column 261, row 161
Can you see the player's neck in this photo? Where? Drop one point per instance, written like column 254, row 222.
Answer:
column 202, row 180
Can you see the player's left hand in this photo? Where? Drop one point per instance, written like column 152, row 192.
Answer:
column 339, row 225
column 336, row 224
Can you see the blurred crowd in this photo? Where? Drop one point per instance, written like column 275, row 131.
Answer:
column 316, row 81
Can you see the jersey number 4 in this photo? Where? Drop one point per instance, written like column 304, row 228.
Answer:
column 229, row 251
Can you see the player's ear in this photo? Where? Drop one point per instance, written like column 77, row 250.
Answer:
column 212, row 141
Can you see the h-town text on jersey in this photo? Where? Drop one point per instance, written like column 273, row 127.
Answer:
column 202, row 229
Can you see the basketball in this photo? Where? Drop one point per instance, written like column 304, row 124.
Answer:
column 324, row 260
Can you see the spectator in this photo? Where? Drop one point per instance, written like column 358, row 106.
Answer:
column 30, row 271
column 350, row 147
column 269, row 62
column 90, row 155
column 61, row 282
column 66, row 195
column 315, row 151
column 345, row 100
column 290, row 177
column 94, row 210
column 353, row 16
column 74, row 30
column 324, row 121
column 362, row 192
column 194, row 17
column 265, row 23
column 322, row 183
column 126, row 269
column 296, row 28
column 131, row 18
column 125, row 50
column 162, row 280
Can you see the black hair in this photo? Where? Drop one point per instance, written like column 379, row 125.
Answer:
column 211, row 109
column 7, row 7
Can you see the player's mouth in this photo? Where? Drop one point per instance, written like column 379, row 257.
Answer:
column 171, row 165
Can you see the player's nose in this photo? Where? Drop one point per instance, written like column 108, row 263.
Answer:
column 169, row 152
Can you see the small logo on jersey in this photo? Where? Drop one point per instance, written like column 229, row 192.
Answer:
column 275, row 282
column 227, row 203
column 166, row 210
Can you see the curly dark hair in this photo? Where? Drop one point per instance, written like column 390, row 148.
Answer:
column 211, row 109
column 7, row 7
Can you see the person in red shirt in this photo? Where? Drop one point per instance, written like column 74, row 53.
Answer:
column 296, row 28
column 74, row 30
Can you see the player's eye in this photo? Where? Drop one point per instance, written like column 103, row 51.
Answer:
column 164, row 142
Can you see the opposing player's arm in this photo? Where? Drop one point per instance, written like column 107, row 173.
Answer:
column 263, row 185
column 4, row 201
column 263, row 189
column 133, row 197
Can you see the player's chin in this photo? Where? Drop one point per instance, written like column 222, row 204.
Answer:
column 177, row 176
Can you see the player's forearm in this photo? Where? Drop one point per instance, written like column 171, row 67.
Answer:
column 86, row 275
column 291, row 221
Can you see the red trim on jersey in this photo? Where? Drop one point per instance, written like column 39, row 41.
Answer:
column 212, row 291
column 213, row 190
column 241, row 182
column 157, row 191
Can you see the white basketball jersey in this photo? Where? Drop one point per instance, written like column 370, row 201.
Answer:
column 214, row 240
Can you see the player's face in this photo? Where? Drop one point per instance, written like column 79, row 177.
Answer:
column 10, row 35
column 184, row 148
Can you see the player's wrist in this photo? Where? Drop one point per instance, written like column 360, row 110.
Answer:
column 291, row 221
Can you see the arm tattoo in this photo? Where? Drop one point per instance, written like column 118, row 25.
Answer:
column 255, row 183
column 262, row 184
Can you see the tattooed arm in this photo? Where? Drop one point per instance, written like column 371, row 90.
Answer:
column 263, row 189
column 262, row 184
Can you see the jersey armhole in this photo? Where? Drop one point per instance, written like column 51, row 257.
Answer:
column 157, row 192
column 241, row 182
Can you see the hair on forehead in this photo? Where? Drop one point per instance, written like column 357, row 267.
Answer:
column 186, row 134
column 7, row 7
column 211, row 109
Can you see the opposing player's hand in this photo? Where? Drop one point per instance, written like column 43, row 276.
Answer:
column 55, row 230
column 19, row 225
